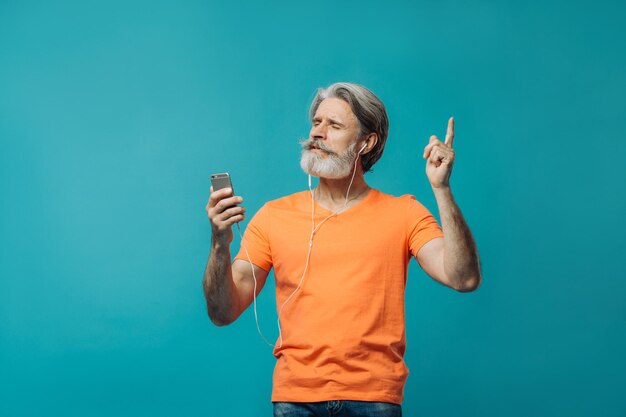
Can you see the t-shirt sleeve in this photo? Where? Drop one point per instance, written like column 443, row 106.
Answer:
column 256, row 240
column 422, row 226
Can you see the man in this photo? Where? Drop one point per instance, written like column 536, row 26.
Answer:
column 340, row 254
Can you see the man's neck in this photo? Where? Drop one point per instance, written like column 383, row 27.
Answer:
column 331, row 193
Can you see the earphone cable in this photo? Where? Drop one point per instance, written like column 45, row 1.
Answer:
column 313, row 230
column 256, row 316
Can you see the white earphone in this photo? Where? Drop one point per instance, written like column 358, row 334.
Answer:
column 314, row 228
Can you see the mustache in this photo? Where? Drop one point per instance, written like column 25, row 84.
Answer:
column 308, row 144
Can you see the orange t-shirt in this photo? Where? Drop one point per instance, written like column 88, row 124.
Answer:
column 343, row 331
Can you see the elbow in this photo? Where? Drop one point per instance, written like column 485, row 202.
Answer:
column 220, row 313
column 219, row 322
column 469, row 284
column 470, row 280
column 220, row 319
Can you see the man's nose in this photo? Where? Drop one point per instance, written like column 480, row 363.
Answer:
column 318, row 132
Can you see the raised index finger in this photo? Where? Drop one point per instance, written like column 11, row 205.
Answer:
column 450, row 132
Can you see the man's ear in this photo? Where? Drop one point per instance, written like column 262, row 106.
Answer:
column 371, row 140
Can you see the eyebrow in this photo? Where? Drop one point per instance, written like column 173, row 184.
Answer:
column 331, row 120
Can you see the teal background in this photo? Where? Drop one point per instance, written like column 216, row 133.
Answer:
column 113, row 114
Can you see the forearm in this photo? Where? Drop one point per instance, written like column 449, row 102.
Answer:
column 220, row 292
column 460, row 257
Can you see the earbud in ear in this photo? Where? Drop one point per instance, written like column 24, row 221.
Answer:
column 361, row 150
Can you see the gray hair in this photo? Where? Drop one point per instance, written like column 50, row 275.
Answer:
column 369, row 111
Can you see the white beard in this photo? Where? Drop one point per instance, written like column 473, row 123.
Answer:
column 331, row 165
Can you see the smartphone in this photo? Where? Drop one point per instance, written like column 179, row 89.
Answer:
column 222, row 180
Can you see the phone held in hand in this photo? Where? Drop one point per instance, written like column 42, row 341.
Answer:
column 222, row 180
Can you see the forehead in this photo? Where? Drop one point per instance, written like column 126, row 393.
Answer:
column 335, row 108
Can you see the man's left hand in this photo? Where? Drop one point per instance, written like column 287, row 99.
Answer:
column 439, row 158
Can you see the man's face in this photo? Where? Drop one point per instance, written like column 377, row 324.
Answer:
column 330, row 150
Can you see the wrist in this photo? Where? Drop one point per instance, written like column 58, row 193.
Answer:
column 219, row 244
column 443, row 196
column 442, row 190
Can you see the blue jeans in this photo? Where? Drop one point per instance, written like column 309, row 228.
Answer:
column 339, row 408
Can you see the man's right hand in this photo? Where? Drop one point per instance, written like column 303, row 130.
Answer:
column 223, row 212
column 228, row 287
